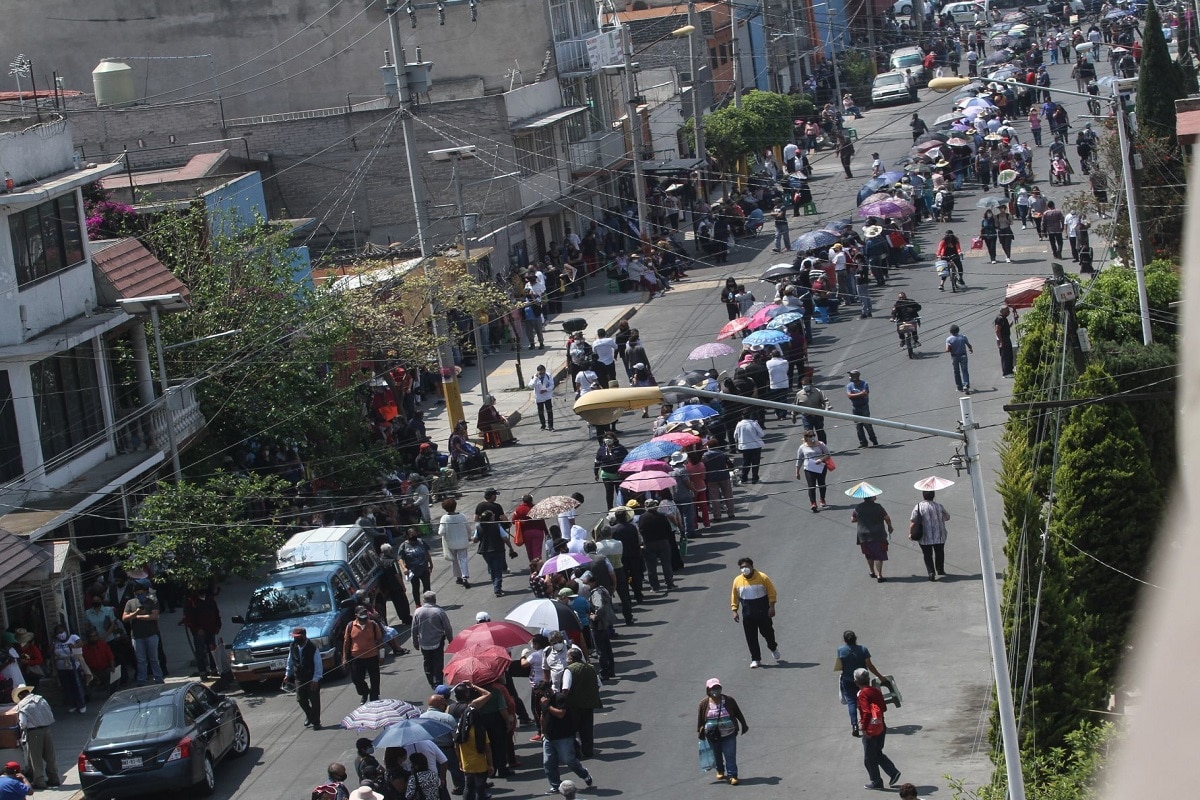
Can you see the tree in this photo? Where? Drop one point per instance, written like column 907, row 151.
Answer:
column 1110, row 309
column 764, row 119
column 1160, row 81
column 1070, row 771
column 199, row 533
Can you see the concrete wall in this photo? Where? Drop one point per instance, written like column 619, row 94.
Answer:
column 30, row 151
column 236, row 205
column 271, row 55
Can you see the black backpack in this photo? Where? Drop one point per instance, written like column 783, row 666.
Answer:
column 462, row 730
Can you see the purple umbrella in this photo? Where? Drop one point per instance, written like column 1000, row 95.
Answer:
column 710, row 350
column 887, row 208
column 566, row 561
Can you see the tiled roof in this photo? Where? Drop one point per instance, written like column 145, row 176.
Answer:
column 19, row 558
column 127, row 269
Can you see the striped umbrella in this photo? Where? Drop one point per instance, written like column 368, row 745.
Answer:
column 379, row 714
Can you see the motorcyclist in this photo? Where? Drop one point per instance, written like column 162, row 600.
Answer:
column 906, row 310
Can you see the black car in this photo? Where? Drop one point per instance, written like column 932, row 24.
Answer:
column 160, row 737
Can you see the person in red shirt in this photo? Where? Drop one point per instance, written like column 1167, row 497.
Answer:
column 99, row 658
column 532, row 531
column 874, row 731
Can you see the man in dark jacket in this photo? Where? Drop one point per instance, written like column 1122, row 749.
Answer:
column 625, row 532
column 656, row 537
column 305, row 668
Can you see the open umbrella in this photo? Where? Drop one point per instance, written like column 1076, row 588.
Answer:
column 1006, row 177
column 733, row 327
column 999, row 57
column 679, row 437
column 493, row 633
column 710, row 350
column 764, row 315
column 691, row 412
column 653, row 450
column 644, row 465
column 1116, row 13
column 408, row 731
column 864, row 489
column 1022, row 293
column 783, row 320
column 877, row 197
column 887, row 208
column 777, row 272
column 543, row 613
column 552, row 506
column 932, row 136
column 648, row 482
column 987, row 202
column 933, row 484
column 814, row 240
column 767, row 337
column 381, row 713
column 482, row 665
column 566, row 561
column 958, row 142
column 693, row 377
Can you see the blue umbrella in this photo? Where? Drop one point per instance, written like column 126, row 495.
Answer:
column 405, row 732
column 814, row 240
column 653, row 450
column 890, row 177
column 871, row 187
column 690, row 412
column 783, row 320
column 766, row 337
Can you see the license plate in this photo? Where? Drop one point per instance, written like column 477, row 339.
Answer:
column 131, row 763
column 277, row 665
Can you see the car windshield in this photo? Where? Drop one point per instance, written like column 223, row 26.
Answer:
column 910, row 60
column 888, row 80
column 277, row 601
column 136, row 722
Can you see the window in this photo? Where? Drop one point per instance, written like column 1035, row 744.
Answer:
column 46, row 239
column 67, row 394
column 572, row 19
column 535, row 151
column 10, row 444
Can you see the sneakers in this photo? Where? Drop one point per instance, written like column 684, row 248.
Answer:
column 754, row 665
column 895, row 779
column 733, row 781
column 720, row 776
column 775, row 654
column 537, row 737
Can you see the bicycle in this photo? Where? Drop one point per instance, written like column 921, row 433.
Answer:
column 908, row 330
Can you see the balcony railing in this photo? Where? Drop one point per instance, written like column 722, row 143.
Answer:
column 146, row 428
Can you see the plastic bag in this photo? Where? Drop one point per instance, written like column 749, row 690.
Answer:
column 977, row 243
column 708, row 759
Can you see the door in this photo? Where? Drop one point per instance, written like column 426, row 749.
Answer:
column 539, row 236
column 202, row 715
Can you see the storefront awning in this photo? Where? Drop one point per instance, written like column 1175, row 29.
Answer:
column 549, row 118
column 20, row 559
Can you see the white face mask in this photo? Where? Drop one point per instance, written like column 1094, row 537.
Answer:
column 62, row 637
column 747, row 571
column 559, row 647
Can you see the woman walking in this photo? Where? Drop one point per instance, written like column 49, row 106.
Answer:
column 988, row 232
column 717, row 721
column 927, row 527
column 1004, row 222
column 874, row 527
column 456, row 537
column 813, row 459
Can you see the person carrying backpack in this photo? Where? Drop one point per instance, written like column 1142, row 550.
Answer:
column 471, row 740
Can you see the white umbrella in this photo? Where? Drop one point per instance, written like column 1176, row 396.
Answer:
column 933, row 484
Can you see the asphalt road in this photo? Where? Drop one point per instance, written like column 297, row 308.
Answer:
column 931, row 636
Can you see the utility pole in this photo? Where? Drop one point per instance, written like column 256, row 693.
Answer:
column 833, row 56
column 450, row 391
column 1135, row 235
column 697, row 105
column 762, row 16
column 635, row 128
column 733, row 50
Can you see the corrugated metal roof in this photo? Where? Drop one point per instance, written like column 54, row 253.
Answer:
column 19, row 558
column 127, row 269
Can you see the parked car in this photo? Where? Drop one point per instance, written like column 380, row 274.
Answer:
column 908, row 58
column 156, row 738
column 902, row 7
column 890, row 87
column 964, row 13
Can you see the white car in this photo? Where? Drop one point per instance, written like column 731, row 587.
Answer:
column 902, row 8
column 890, row 87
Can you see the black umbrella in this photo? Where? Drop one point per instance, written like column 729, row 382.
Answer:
column 999, row 57
column 779, row 272
column 692, row 377
column 931, row 136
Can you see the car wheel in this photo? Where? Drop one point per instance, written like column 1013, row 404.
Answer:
column 208, row 781
column 241, row 739
column 905, row 10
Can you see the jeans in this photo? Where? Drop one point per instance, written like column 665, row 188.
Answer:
column 203, row 644
column 308, row 697
column 874, row 759
column 653, row 553
column 361, row 669
column 496, row 564
column 782, row 234
column 418, row 584
column 561, row 752
column 621, row 578
column 584, row 720
column 718, row 491
column 545, row 410
column 1037, row 136
column 687, row 512
column 849, row 691
column 962, row 378
column 752, row 627
column 751, row 457
column 935, row 558
column 846, row 285
column 147, row 656
column 814, row 423
column 864, row 297
column 71, row 681
column 725, row 753
column 434, row 663
column 476, row 786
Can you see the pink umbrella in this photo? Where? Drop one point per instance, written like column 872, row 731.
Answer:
column 734, row 327
column 678, row 437
column 710, row 350
column 644, row 465
column 566, row 561
column 648, row 482
column 762, row 316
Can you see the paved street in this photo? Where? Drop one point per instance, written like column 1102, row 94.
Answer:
column 931, row 636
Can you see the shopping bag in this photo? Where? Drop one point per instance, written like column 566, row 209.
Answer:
column 977, row 243
column 708, row 760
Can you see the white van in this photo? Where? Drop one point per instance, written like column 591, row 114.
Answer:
column 964, row 13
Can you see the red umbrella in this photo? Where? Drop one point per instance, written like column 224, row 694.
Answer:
column 1022, row 293
column 500, row 633
column 678, row 437
column 734, row 327
column 482, row 665
column 762, row 316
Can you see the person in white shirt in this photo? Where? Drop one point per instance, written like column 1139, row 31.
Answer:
column 604, row 348
column 535, row 281
column 777, row 370
column 846, row 287
column 543, row 396
column 585, row 381
column 749, row 436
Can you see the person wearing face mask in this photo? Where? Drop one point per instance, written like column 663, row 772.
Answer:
column 609, row 456
column 554, row 660
column 717, row 721
column 305, row 669
column 753, row 600
column 142, row 615
column 73, row 673
column 202, row 618
column 366, row 766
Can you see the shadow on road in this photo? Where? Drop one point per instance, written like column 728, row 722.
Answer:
column 904, row 730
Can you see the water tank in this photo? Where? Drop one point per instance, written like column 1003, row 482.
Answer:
column 112, row 82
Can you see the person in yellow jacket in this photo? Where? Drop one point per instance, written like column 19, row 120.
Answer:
column 753, row 602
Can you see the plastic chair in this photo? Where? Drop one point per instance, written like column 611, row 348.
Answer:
column 821, row 314
column 851, row 134
column 810, row 209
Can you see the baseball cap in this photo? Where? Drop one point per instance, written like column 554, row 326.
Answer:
column 483, row 616
column 854, row 372
column 442, row 689
column 711, row 682
column 566, row 591
column 12, row 766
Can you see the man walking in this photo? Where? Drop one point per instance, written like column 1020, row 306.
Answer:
column 811, row 396
column 1004, row 341
column 543, row 396
column 558, row 742
column 305, row 669
column 874, row 731
column 859, row 392
column 958, row 346
column 749, row 436
column 604, row 348
column 431, row 630
column 360, row 650
column 782, row 234
column 202, row 618
column 141, row 613
column 1053, row 223
column 34, row 718
column 918, row 126
column 582, row 685
column 753, row 602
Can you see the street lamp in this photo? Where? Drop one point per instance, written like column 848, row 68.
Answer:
column 948, row 84
column 153, row 304
column 454, row 155
column 689, row 31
